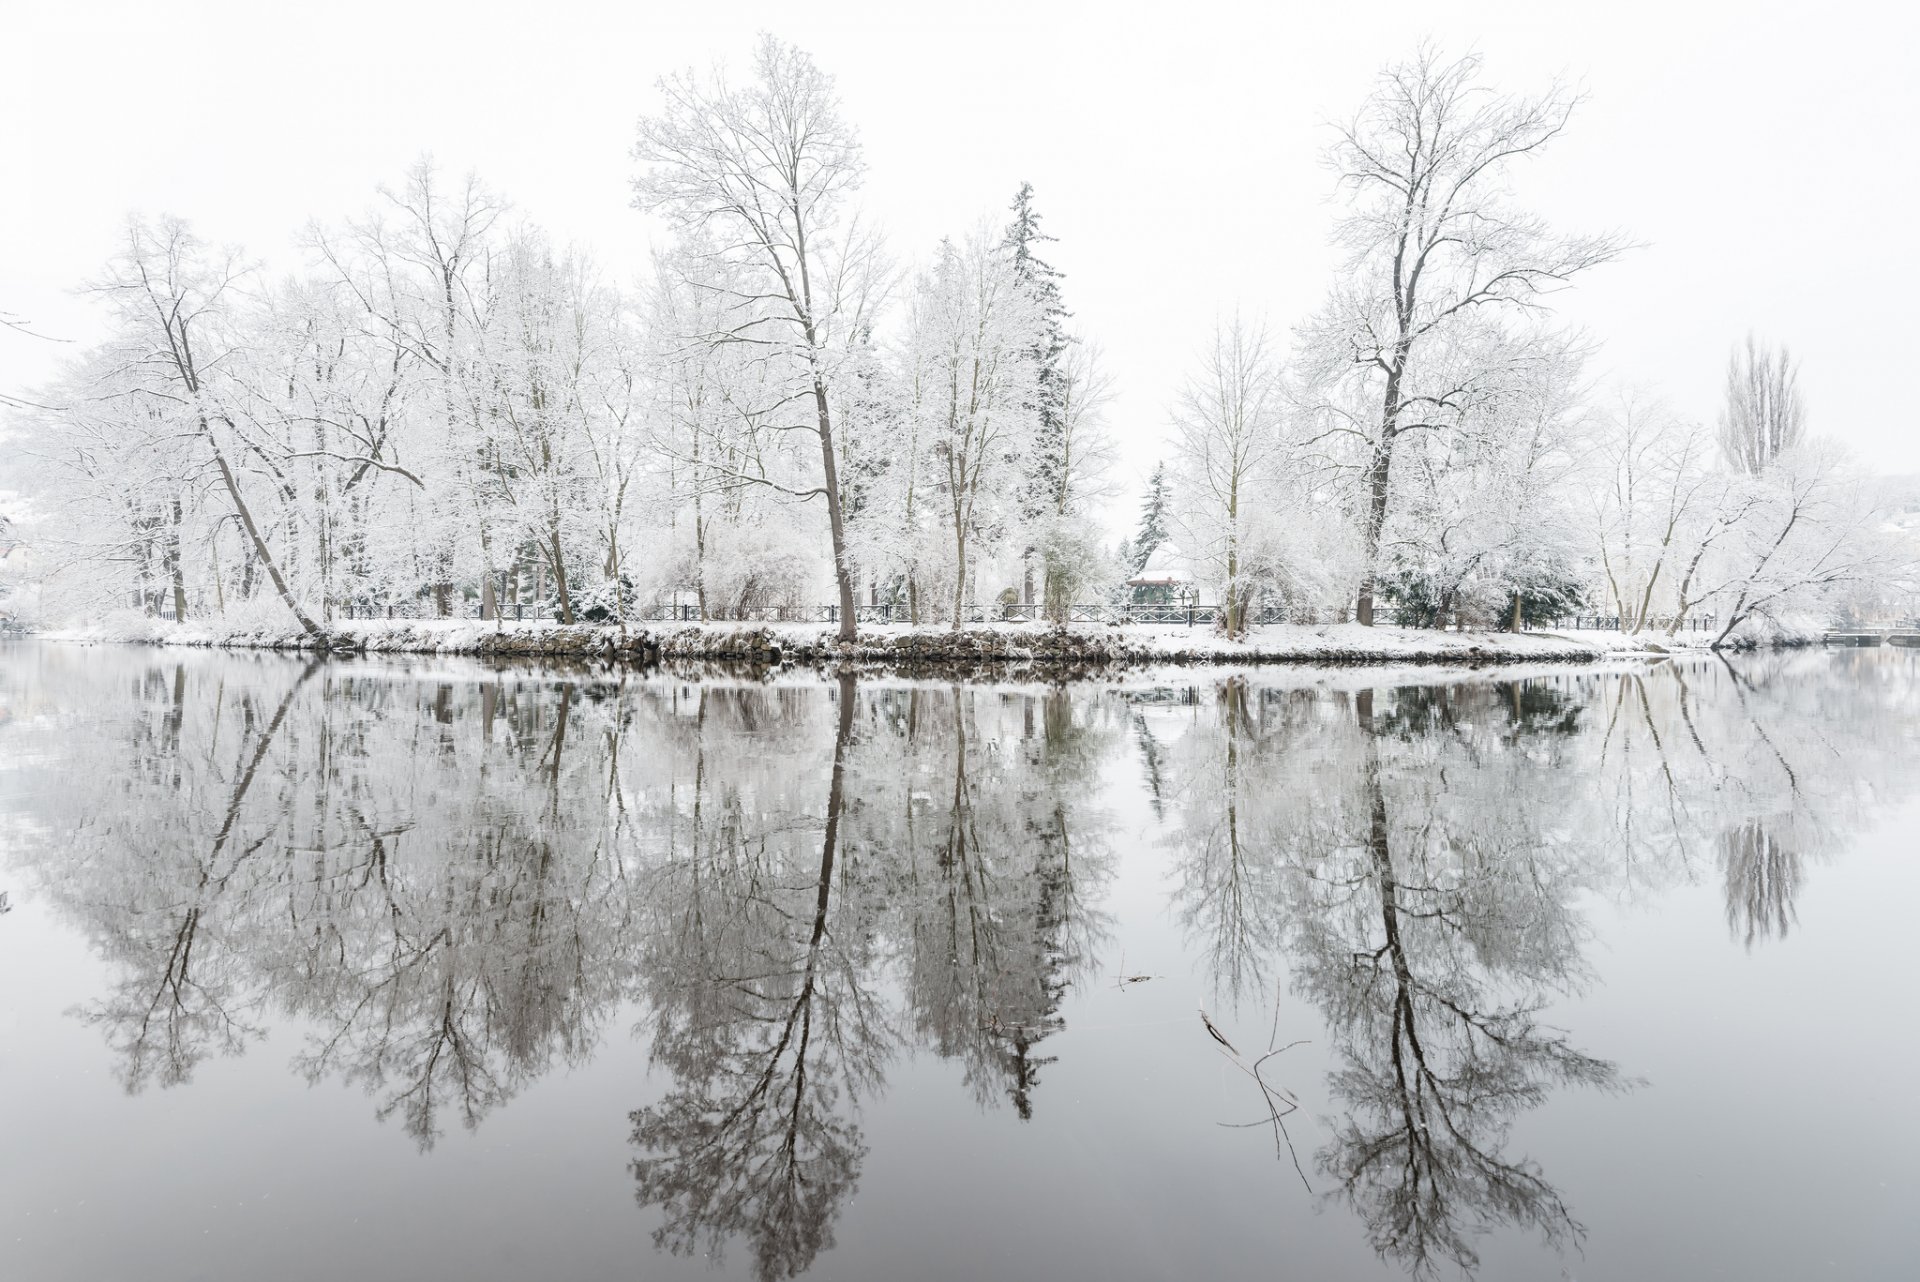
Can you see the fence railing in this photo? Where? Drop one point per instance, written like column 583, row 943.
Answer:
column 1611, row 623
column 1197, row 614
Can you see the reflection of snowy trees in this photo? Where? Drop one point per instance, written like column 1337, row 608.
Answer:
column 1432, row 945
column 1416, row 856
column 763, row 1017
column 452, row 884
column 975, row 805
column 1420, row 910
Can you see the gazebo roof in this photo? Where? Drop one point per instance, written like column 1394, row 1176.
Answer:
column 1165, row 568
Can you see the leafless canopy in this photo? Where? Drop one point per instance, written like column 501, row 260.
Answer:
column 1438, row 253
column 1764, row 416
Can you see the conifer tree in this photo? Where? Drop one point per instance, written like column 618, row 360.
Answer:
column 1046, row 473
column 1153, row 518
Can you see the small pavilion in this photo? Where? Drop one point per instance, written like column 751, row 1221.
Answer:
column 1163, row 576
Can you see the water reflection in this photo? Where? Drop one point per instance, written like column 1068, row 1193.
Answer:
column 1432, row 938
column 762, row 1009
column 455, row 885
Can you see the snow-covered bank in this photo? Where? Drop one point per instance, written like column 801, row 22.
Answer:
column 1087, row 646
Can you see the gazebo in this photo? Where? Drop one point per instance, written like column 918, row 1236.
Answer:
column 1161, row 578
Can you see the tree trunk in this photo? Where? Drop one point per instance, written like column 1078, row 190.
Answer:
column 619, row 584
column 1379, row 472
column 1734, row 619
column 836, row 521
column 959, row 576
column 174, row 567
column 489, row 603
column 560, row 576
column 1377, row 475
column 245, row 514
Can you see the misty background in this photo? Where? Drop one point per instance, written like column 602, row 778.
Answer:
column 1176, row 154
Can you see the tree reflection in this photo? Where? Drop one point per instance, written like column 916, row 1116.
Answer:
column 762, row 1017
column 179, row 998
column 1416, row 857
column 457, row 885
column 974, row 809
column 1423, row 912
column 1228, row 893
column 1434, row 947
column 1762, row 868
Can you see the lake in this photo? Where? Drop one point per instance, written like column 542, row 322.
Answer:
column 435, row 969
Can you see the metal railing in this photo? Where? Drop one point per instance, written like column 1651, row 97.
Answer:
column 1611, row 623
column 1195, row 614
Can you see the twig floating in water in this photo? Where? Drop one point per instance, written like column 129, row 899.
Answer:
column 1279, row 1100
column 1216, row 1034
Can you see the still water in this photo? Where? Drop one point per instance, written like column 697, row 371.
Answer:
column 437, row 970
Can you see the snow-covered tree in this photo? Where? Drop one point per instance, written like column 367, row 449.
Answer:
column 1655, row 500
column 1487, row 518
column 175, row 303
column 1154, row 517
column 1763, row 416
column 973, row 326
column 1437, row 256
column 765, row 168
column 1227, row 436
column 1046, row 472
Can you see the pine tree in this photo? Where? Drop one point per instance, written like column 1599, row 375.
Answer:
column 1153, row 518
column 1042, row 491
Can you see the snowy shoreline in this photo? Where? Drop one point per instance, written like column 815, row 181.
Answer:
column 904, row 646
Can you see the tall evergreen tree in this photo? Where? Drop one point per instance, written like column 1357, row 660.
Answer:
column 1153, row 518
column 1046, row 472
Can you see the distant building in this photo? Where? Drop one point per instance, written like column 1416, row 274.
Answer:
column 1161, row 578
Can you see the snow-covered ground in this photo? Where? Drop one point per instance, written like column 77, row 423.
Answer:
column 1290, row 643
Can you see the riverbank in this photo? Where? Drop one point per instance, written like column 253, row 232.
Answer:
column 1086, row 646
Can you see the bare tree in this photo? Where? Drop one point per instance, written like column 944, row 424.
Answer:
column 1226, row 424
column 1764, row 416
column 21, row 325
column 1436, row 252
column 1811, row 530
column 765, row 169
column 1658, row 506
column 172, row 296
column 1086, row 389
column 975, row 324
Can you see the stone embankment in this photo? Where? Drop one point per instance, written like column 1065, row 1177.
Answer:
column 1080, row 648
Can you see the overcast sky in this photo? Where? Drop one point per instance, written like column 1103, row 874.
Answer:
column 1763, row 153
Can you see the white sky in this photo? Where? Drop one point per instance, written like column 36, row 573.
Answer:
column 1765, row 153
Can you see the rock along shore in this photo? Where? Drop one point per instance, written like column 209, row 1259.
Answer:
column 923, row 649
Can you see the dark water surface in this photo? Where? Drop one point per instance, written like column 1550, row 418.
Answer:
column 375, row 970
